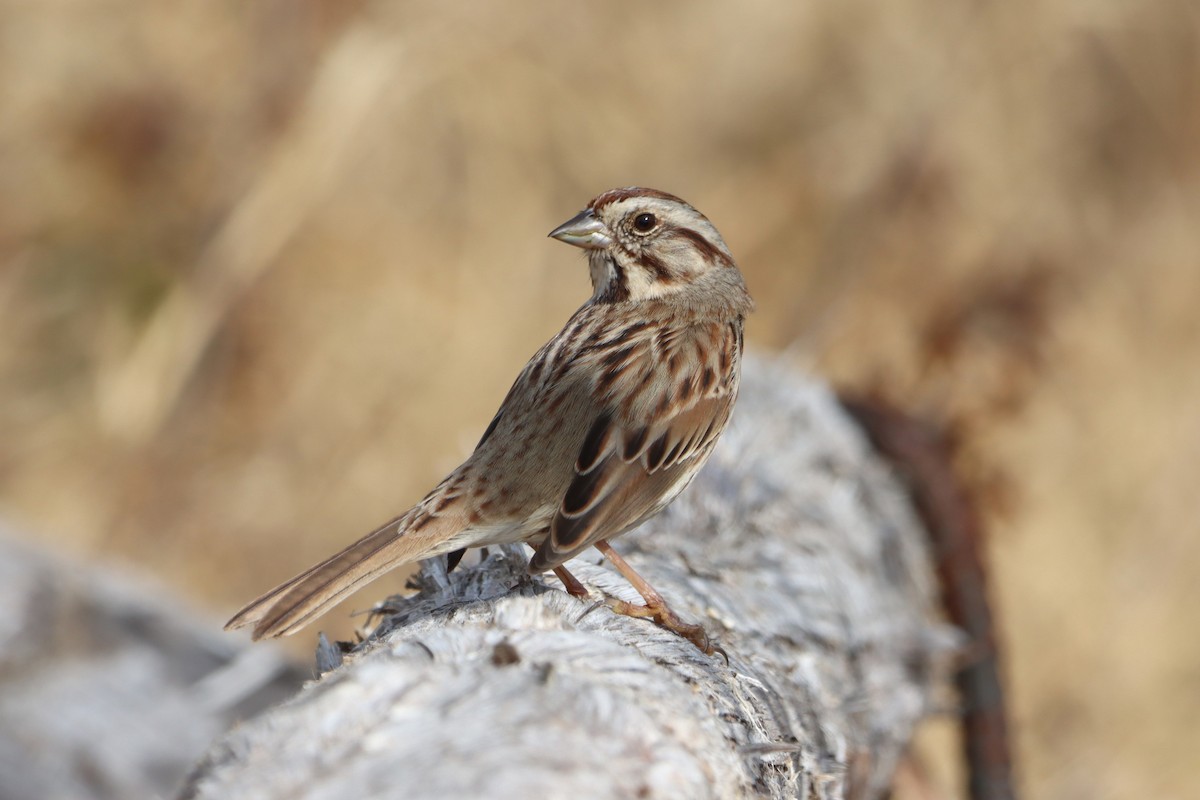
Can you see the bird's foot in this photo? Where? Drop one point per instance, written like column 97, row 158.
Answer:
column 665, row 618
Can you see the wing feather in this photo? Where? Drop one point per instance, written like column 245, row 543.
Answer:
column 647, row 442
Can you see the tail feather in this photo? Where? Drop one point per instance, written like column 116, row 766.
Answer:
column 293, row 604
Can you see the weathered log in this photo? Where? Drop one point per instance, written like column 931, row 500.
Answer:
column 795, row 547
column 110, row 688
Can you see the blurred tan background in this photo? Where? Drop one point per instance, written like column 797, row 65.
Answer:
column 267, row 269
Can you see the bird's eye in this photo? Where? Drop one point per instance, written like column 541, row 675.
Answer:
column 644, row 223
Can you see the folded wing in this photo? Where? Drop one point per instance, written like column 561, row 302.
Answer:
column 661, row 416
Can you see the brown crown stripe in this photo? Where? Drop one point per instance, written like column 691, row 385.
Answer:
column 616, row 195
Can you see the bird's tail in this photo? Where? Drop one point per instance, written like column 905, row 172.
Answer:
column 290, row 606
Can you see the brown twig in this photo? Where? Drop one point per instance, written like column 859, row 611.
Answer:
column 923, row 454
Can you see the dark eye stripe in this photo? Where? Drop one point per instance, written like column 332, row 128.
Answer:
column 707, row 249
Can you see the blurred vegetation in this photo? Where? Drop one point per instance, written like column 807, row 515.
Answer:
column 267, row 269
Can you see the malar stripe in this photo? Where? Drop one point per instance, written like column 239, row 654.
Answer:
column 655, row 265
column 617, row 290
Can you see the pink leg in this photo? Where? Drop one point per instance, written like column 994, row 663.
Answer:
column 571, row 583
column 655, row 608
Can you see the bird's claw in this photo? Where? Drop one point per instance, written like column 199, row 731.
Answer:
column 667, row 619
column 591, row 608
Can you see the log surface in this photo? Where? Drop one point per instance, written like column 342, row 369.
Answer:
column 796, row 549
column 110, row 687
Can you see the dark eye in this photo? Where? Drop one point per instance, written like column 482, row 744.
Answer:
column 644, row 223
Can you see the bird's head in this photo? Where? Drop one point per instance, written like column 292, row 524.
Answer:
column 644, row 244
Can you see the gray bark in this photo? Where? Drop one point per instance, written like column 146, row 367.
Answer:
column 111, row 689
column 797, row 550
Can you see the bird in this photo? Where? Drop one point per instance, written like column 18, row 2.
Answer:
column 607, row 423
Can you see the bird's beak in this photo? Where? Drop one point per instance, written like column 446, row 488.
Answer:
column 583, row 230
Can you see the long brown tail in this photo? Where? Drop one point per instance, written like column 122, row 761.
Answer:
column 290, row 606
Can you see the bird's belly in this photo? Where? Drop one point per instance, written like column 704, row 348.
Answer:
column 531, row 528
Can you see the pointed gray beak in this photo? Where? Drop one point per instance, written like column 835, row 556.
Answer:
column 583, row 230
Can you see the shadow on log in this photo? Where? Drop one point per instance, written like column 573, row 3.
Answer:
column 794, row 547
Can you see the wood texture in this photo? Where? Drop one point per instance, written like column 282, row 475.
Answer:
column 797, row 550
column 111, row 688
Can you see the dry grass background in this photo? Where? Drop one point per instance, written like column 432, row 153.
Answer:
column 266, row 270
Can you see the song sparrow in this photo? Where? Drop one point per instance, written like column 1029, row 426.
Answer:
column 604, row 427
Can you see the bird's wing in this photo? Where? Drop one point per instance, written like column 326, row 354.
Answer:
column 664, row 401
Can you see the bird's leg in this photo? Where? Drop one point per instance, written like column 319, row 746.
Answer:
column 571, row 583
column 656, row 607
